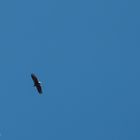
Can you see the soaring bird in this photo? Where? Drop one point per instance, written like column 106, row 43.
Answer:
column 37, row 83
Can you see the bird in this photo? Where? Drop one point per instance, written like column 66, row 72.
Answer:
column 37, row 83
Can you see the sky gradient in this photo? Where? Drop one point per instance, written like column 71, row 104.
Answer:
column 86, row 53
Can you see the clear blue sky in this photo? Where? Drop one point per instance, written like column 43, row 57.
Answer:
column 87, row 55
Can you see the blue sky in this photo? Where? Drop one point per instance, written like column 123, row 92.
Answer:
column 86, row 53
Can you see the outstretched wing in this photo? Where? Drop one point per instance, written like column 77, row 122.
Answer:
column 34, row 78
column 39, row 88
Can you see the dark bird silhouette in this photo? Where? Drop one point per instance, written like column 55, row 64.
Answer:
column 37, row 83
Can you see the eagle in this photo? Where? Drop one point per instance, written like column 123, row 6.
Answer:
column 37, row 83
